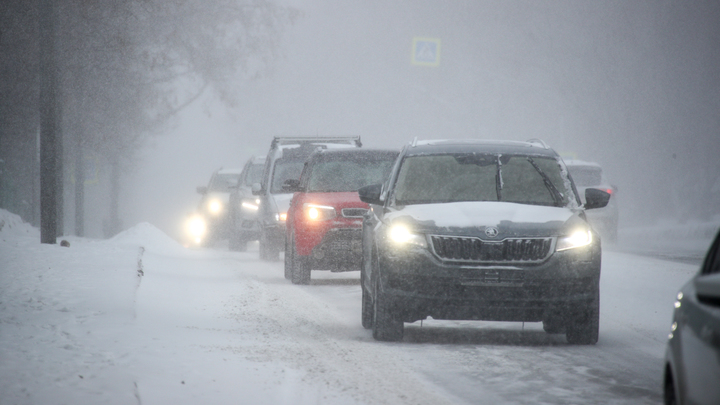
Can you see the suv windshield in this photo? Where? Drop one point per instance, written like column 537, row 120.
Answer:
column 254, row 174
column 223, row 182
column 349, row 173
column 524, row 179
column 285, row 169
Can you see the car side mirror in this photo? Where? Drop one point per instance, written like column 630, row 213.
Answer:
column 291, row 185
column 257, row 189
column 371, row 194
column 595, row 198
column 201, row 189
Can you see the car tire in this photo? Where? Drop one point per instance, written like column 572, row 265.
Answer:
column 237, row 243
column 367, row 304
column 669, row 394
column 584, row 326
column 289, row 253
column 387, row 326
column 300, row 269
column 267, row 249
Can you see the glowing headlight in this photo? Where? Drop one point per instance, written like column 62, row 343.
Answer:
column 196, row 227
column 316, row 212
column 575, row 240
column 215, row 206
column 401, row 235
column 250, row 205
column 281, row 216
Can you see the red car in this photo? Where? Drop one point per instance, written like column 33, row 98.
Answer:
column 324, row 222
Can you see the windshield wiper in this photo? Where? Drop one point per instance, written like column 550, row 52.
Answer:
column 550, row 186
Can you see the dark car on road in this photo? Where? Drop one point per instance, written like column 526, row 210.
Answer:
column 285, row 161
column 213, row 205
column 324, row 223
column 692, row 358
column 480, row 230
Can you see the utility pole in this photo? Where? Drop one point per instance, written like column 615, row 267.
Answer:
column 49, row 143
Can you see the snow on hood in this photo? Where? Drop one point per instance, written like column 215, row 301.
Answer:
column 481, row 213
column 148, row 236
column 12, row 225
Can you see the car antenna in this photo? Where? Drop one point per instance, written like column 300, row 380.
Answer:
column 414, row 142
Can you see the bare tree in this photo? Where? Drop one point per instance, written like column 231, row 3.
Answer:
column 129, row 66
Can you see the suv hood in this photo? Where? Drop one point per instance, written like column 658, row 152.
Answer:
column 472, row 217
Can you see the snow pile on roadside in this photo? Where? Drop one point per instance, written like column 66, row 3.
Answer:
column 11, row 224
column 148, row 236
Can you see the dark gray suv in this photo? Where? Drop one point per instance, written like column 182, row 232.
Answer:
column 480, row 230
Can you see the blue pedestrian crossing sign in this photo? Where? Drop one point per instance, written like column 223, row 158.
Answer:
column 426, row 51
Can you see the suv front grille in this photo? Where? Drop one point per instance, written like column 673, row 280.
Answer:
column 469, row 249
column 353, row 212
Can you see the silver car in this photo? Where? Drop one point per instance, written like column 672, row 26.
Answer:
column 692, row 358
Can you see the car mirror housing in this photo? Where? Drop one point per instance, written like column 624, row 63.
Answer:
column 371, row 194
column 256, row 189
column 291, row 185
column 595, row 198
column 201, row 189
column 708, row 287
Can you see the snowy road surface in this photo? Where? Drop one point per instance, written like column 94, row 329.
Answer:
column 78, row 325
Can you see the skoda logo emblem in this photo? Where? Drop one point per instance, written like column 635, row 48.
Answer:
column 491, row 231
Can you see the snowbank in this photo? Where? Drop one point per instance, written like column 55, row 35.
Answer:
column 13, row 225
column 148, row 236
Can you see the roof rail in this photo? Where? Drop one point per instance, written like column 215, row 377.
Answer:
column 293, row 140
column 538, row 141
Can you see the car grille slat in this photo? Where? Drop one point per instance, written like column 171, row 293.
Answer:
column 353, row 212
column 470, row 249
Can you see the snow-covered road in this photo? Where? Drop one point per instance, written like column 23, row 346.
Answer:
column 78, row 325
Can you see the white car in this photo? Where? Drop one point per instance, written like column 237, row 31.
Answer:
column 244, row 206
column 590, row 175
column 285, row 161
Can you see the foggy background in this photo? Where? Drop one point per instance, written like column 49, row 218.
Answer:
column 632, row 85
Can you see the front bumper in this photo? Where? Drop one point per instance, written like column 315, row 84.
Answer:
column 340, row 249
column 421, row 285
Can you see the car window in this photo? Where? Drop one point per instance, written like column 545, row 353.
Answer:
column 254, row 174
column 347, row 175
column 712, row 262
column 223, row 182
column 285, row 169
column 472, row 177
column 586, row 176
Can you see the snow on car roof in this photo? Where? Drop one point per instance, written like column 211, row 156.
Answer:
column 480, row 145
column 230, row 171
column 576, row 162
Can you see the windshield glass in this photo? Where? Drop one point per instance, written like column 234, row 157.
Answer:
column 285, row 169
column 349, row 173
column 254, row 174
column 474, row 177
column 223, row 182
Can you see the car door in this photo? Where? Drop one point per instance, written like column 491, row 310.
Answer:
column 700, row 324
